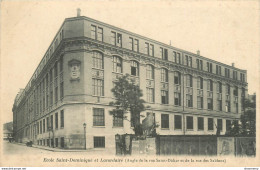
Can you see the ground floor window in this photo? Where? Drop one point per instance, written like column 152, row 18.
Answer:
column 210, row 123
column 200, row 123
column 99, row 142
column 62, row 142
column 228, row 125
column 220, row 124
column 48, row 142
column 177, row 122
column 165, row 121
column 189, row 122
column 56, row 142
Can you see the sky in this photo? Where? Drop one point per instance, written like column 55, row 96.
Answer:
column 225, row 31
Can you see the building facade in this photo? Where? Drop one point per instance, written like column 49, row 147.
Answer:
column 188, row 93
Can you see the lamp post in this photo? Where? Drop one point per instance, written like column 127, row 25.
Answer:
column 84, row 125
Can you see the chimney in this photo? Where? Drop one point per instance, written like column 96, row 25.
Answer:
column 78, row 12
column 198, row 52
column 233, row 64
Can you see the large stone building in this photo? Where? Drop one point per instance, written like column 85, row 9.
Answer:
column 188, row 93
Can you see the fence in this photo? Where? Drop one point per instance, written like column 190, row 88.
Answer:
column 193, row 145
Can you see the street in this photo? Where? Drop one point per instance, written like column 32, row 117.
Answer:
column 14, row 148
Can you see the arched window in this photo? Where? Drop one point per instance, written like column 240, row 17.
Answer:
column 210, row 85
column 149, row 72
column 134, row 68
column 200, row 83
column 117, row 64
column 177, row 78
column 97, row 60
column 189, row 80
column 164, row 75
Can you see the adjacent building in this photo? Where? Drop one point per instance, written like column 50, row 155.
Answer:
column 8, row 131
column 187, row 93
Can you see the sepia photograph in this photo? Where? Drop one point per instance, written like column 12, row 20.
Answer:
column 129, row 83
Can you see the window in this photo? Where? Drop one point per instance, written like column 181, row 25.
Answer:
column 61, row 90
column 118, row 119
column 164, row 75
column 62, row 142
column 56, row 94
column 210, row 85
column 51, row 122
column 131, row 43
column 146, row 46
column 210, row 124
column 228, row 125
column 93, row 32
column 189, row 122
column 100, row 34
column 189, row 80
column 177, row 99
column 188, row 100
column 219, row 105
column 199, row 102
column 235, row 91
column 47, row 121
column 219, row 87
column 199, row 64
column 200, row 123
column 218, row 70
column 228, row 109
column 56, row 120
column 164, row 53
column 177, row 122
column 164, row 96
column 134, row 68
column 97, row 87
column 227, row 89
column 97, row 58
column 98, row 117
column 209, row 67
column 188, row 60
column 227, row 73
column 150, row 94
column 149, row 72
column 117, row 64
column 56, row 142
column 149, row 49
column 119, row 40
column 210, row 104
column 43, row 123
column 219, row 124
column 235, row 75
column 242, row 77
column 200, row 83
column 40, row 127
column 62, row 118
column 113, row 38
column 99, row 142
column 136, row 45
column 177, row 57
column 177, row 78
column 165, row 121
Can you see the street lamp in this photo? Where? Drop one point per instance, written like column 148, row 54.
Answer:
column 85, row 142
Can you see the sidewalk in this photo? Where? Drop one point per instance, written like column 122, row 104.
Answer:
column 57, row 149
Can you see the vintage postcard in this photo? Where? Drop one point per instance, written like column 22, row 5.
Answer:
column 129, row 83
